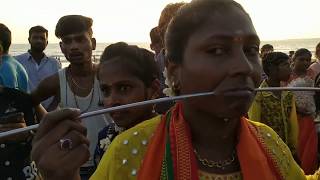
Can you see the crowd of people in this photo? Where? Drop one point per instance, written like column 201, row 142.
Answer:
column 236, row 133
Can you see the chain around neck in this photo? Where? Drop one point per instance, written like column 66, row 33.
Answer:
column 74, row 82
column 221, row 164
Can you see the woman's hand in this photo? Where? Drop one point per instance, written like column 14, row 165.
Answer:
column 60, row 145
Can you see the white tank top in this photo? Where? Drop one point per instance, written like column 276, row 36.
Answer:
column 85, row 104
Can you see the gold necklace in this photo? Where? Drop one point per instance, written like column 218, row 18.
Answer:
column 73, row 81
column 74, row 96
column 221, row 164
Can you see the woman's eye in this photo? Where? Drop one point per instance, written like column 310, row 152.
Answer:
column 252, row 50
column 124, row 88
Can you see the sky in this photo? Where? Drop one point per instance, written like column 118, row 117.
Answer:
column 132, row 20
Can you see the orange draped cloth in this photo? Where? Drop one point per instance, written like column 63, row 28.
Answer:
column 173, row 132
column 308, row 144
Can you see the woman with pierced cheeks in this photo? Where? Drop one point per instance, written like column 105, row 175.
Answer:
column 211, row 45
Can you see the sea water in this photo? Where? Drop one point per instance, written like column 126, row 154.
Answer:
column 54, row 49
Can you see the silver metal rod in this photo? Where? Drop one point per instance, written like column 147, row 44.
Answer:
column 107, row 110
column 153, row 101
column 288, row 89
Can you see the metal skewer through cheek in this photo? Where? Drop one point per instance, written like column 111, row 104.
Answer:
column 108, row 110
column 154, row 101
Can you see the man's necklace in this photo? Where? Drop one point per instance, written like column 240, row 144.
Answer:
column 74, row 82
column 81, row 88
column 77, row 104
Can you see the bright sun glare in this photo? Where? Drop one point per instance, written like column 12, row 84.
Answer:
column 131, row 21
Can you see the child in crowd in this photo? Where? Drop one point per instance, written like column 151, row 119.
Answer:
column 306, row 110
column 276, row 109
column 127, row 74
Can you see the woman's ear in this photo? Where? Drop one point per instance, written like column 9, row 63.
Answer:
column 154, row 89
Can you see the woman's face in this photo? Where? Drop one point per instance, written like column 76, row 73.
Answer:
column 302, row 62
column 120, row 87
column 221, row 56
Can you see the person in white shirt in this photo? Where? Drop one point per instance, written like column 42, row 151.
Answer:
column 77, row 85
column 37, row 64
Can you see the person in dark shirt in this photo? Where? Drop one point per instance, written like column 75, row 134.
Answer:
column 16, row 111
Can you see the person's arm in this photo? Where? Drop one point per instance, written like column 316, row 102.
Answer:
column 48, row 87
column 40, row 112
column 54, row 104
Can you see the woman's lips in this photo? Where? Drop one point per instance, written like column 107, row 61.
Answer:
column 238, row 92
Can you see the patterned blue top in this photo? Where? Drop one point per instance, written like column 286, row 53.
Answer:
column 12, row 74
column 105, row 137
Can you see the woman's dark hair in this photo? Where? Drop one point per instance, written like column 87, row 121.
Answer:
column 138, row 61
column 188, row 19
column 317, row 53
column 300, row 52
column 273, row 59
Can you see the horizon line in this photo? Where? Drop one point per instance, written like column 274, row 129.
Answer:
column 143, row 42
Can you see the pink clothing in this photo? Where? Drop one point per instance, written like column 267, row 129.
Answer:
column 315, row 67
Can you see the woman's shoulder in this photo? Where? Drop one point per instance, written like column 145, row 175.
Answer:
column 141, row 132
column 277, row 151
column 264, row 130
column 144, row 128
column 125, row 154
